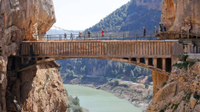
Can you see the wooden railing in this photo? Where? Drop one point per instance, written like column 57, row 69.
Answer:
column 182, row 35
column 98, row 49
column 192, row 49
column 98, row 36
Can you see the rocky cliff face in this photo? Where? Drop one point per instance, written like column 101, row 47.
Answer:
column 158, row 80
column 41, row 89
column 178, row 14
column 38, row 89
column 181, row 92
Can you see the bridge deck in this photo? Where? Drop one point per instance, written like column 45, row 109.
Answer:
column 99, row 48
column 153, row 54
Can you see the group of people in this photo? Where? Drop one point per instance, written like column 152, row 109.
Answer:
column 163, row 27
column 89, row 33
column 80, row 34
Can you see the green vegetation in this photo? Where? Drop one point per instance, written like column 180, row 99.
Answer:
column 114, row 83
column 146, row 86
column 183, row 57
column 196, row 96
column 188, row 97
column 185, row 64
column 174, row 106
column 104, row 68
column 69, row 74
column 130, row 12
column 162, row 110
column 164, row 84
column 73, row 104
column 41, row 88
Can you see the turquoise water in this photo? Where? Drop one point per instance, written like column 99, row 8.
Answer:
column 100, row 101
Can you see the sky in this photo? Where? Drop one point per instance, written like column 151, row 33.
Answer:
column 82, row 14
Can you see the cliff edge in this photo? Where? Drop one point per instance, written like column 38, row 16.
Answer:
column 181, row 93
column 178, row 14
column 40, row 88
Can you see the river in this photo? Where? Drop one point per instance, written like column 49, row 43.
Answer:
column 100, row 101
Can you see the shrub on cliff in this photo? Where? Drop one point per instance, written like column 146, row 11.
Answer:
column 184, row 64
column 183, row 57
column 69, row 74
column 77, row 109
column 76, row 101
column 114, row 83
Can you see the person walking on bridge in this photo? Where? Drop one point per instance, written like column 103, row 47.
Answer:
column 165, row 27
column 144, row 31
column 155, row 30
column 89, row 33
column 102, row 32
column 161, row 27
column 190, row 28
column 71, row 36
column 79, row 34
column 65, row 35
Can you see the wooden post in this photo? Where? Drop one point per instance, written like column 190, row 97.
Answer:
column 188, row 49
column 155, row 62
column 22, row 60
column 138, row 60
column 147, row 61
column 164, row 64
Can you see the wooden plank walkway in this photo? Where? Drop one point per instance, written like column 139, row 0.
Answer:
column 99, row 48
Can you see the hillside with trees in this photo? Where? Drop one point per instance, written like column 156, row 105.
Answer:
column 105, row 68
column 132, row 16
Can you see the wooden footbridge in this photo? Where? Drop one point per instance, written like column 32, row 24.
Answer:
column 156, row 55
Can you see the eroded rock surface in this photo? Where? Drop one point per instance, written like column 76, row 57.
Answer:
column 19, row 20
column 42, row 89
column 178, row 14
column 181, row 93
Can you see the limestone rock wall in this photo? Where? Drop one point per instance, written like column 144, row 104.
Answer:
column 181, row 93
column 158, row 81
column 41, row 89
column 178, row 14
column 19, row 20
column 37, row 89
column 29, row 16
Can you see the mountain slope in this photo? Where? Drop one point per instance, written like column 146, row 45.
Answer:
column 132, row 17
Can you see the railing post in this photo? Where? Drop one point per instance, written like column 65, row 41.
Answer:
column 150, row 36
column 188, row 49
column 123, row 36
column 136, row 37
column 196, row 35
